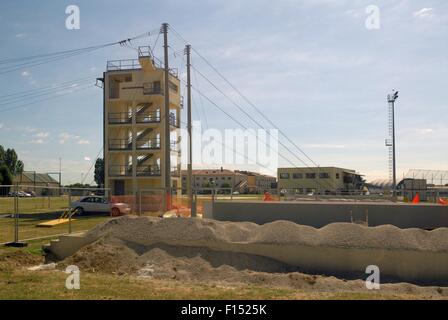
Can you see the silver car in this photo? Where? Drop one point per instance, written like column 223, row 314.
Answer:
column 100, row 204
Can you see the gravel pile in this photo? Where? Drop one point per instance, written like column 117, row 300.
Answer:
column 148, row 230
column 180, row 249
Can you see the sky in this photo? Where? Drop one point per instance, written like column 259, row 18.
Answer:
column 311, row 66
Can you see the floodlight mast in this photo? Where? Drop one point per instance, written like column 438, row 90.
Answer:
column 391, row 98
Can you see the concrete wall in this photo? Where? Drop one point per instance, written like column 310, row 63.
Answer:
column 318, row 214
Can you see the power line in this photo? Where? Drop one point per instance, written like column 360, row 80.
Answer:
column 253, row 119
column 238, row 122
column 45, row 92
column 44, row 88
column 253, row 106
column 49, row 98
column 32, row 61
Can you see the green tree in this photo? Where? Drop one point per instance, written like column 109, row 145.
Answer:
column 6, row 179
column 99, row 172
column 11, row 160
column 10, row 165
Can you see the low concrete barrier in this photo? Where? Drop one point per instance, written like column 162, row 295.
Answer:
column 320, row 213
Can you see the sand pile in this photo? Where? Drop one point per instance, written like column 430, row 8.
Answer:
column 213, row 251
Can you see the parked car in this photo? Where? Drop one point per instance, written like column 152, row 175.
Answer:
column 100, row 204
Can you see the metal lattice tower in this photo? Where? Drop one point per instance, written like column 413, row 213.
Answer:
column 390, row 141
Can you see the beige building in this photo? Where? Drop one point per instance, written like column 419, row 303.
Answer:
column 222, row 178
column 134, row 124
column 258, row 183
column 241, row 181
column 322, row 180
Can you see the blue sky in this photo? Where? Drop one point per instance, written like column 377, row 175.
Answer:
column 311, row 65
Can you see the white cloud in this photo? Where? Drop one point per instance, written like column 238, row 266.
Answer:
column 19, row 35
column 42, row 134
column 65, row 136
column 26, row 73
column 325, row 146
column 424, row 13
column 425, row 131
column 37, row 141
column 29, row 129
column 83, row 141
column 87, row 158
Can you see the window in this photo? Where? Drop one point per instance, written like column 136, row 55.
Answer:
column 324, row 175
column 297, row 176
column 310, row 175
column 337, row 175
column 284, row 175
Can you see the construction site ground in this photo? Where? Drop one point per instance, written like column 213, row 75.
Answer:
column 110, row 270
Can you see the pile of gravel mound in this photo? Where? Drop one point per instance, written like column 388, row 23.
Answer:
column 183, row 231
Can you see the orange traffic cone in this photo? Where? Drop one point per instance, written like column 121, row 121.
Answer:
column 416, row 198
column 267, row 197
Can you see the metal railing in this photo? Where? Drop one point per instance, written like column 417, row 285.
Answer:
column 148, row 144
column 119, row 118
column 126, row 64
column 174, row 121
column 148, row 117
column 148, row 170
column 120, row 170
column 120, row 144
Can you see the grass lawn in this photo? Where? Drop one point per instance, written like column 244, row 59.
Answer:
column 18, row 283
column 28, row 229
column 34, row 204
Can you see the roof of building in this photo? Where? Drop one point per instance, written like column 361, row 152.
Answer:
column 317, row 168
column 38, row 177
column 224, row 172
column 381, row 183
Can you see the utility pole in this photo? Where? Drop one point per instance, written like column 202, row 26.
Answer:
column 167, row 119
column 190, row 139
column 391, row 98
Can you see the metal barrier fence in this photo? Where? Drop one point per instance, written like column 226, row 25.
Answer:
column 32, row 212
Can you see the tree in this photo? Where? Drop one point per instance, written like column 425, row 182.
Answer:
column 6, row 179
column 11, row 160
column 10, row 165
column 99, row 172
